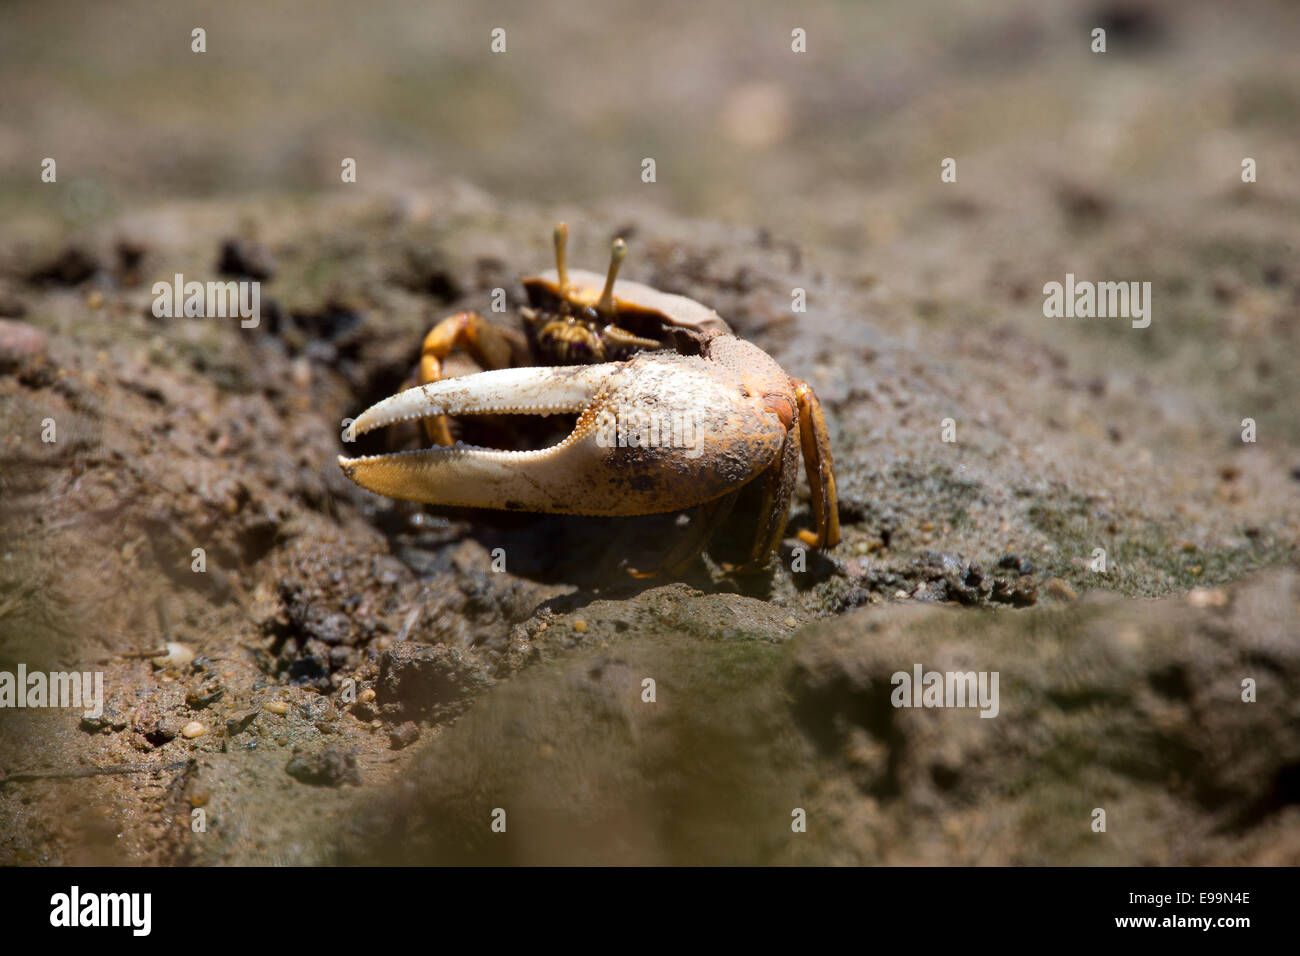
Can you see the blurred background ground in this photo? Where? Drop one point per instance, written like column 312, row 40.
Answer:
column 775, row 170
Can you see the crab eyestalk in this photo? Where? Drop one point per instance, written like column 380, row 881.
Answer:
column 605, row 306
column 561, row 257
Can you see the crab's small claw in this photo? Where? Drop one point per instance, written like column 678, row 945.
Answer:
column 659, row 432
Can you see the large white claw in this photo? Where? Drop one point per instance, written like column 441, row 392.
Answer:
column 659, row 432
column 508, row 391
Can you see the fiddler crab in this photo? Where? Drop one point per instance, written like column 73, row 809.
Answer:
column 674, row 412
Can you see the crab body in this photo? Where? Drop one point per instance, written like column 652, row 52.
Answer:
column 673, row 412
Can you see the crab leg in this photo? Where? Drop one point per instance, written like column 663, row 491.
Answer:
column 777, row 486
column 488, row 345
column 816, row 445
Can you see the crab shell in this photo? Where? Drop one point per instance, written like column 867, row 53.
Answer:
column 636, row 305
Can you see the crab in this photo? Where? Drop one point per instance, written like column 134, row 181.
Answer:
column 673, row 412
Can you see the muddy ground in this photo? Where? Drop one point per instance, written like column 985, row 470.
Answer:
column 370, row 688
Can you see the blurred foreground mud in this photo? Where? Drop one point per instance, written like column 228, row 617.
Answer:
column 1132, row 707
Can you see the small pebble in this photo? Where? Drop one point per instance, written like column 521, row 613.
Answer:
column 20, row 341
column 208, row 694
column 403, row 735
column 790, row 622
column 178, row 655
column 300, row 373
column 240, row 722
column 366, row 696
column 1061, row 590
column 580, row 626
column 1207, row 597
column 277, row 707
column 193, row 729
